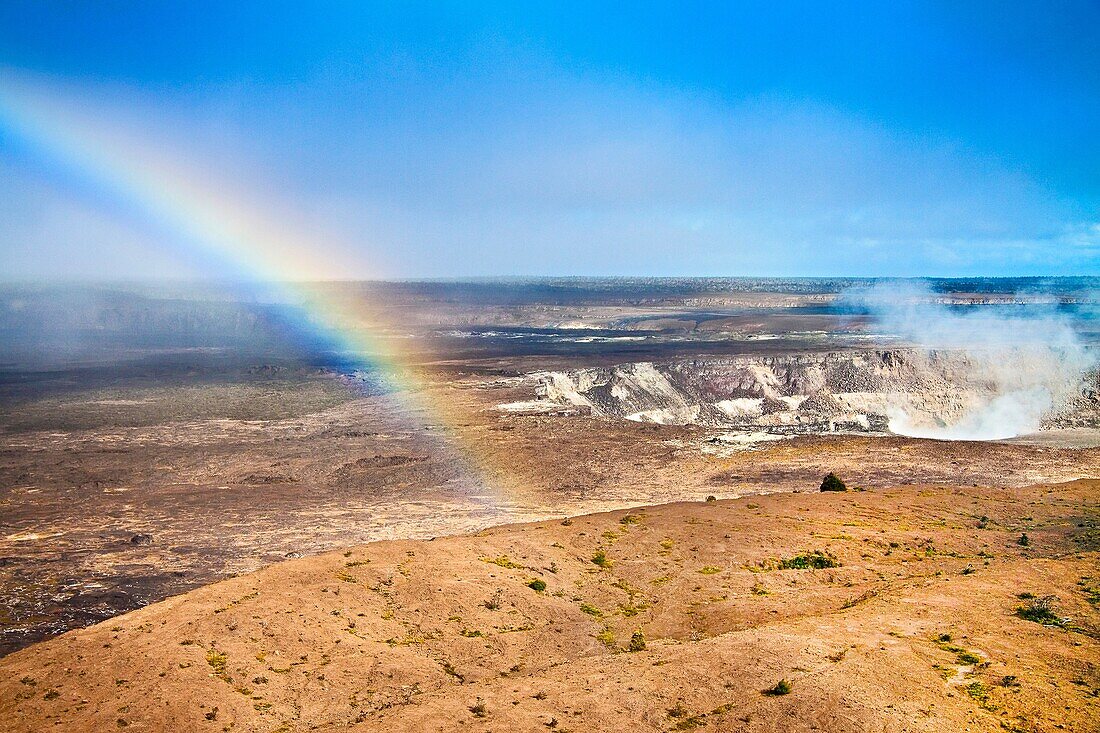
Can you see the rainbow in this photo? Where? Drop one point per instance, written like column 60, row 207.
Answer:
column 227, row 233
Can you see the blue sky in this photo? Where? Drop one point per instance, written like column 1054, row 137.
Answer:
column 465, row 139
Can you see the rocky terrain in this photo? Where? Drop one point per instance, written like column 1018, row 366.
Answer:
column 114, row 498
column 851, row 391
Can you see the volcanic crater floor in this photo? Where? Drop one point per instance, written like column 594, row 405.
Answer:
column 110, row 500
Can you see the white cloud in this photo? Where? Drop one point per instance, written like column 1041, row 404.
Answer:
column 571, row 176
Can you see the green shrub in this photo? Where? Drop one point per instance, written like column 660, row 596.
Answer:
column 1041, row 611
column 606, row 637
column 503, row 561
column 832, row 482
column 782, row 687
column 637, row 642
column 219, row 663
column 600, row 558
column 816, row 560
column 979, row 692
column 537, row 585
column 1024, row 540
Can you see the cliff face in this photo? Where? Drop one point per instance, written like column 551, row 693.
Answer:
column 870, row 391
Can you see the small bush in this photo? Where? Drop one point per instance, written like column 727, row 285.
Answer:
column 606, row 637
column 782, row 687
column 711, row 499
column 816, row 560
column 1041, row 611
column 979, row 692
column 479, row 709
column 503, row 561
column 968, row 658
column 537, row 585
column 637, row 642
column 600, row 558
column 218, row 663
column 832, row 482
column 1024, row 540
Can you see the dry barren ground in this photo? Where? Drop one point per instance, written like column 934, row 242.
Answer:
column 110, row 501
column 893, row 609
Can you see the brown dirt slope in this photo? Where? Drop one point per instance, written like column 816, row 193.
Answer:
column 914, row 629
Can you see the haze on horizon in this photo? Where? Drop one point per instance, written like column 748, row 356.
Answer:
column 791, row 139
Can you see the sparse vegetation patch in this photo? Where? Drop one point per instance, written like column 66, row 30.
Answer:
column 1041, row 611
column 591, row 610
column 218, row 662
column 815, row 560
column 503, row 561
column 601, row 559
column 606, row 637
